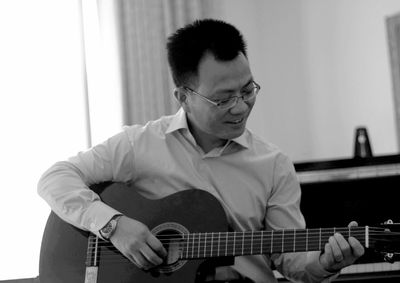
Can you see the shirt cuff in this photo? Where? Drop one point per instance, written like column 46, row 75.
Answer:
column 97, row 216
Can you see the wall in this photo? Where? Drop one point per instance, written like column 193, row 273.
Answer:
column 324, row 69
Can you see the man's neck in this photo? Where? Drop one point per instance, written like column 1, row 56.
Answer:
column 205, row 141
column 207, row 146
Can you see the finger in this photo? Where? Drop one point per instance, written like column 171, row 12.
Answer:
column 336, row 251
column 343, row 245
column 135, row 260
column 358, row 249
column 151, row 257
column 330, row 262
column 156, row 246
column 353, row 224
column 328, row 253
column 140, row 261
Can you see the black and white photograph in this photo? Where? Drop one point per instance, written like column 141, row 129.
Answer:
column 200, row 141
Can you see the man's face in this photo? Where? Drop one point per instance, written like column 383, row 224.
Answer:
column 218, row 80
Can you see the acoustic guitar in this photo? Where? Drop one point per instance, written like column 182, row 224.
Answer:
column 193, row 228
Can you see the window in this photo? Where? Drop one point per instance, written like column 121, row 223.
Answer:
column 42, row 118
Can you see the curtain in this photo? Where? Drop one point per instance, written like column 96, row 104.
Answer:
column 144, row 26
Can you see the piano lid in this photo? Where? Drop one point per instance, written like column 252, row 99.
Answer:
column 347, row 169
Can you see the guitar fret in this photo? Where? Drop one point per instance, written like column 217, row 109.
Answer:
column 194, row 235
column 212, row 243
column 320, row 235
column 205, row 244
column 272, row 238
column 187, row 245
column 198, row 246
column 96, row 250
column 294, row 240
column 234, row 243
column 219, row 241
column 190, row 245
column 283, row 235
column 306, row 240
column 193, row 241
column 261, row 242
column 226, row 244
column 251, row 246
column 243, row 234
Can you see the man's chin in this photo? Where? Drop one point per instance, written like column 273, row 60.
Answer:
column 234, row 134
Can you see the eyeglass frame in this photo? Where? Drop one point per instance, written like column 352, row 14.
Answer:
column 256, row 90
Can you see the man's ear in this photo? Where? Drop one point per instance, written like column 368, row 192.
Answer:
column 182, row 98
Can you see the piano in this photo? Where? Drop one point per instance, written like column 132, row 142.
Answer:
column 335, row 192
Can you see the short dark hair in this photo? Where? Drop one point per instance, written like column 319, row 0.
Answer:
column 188, row 45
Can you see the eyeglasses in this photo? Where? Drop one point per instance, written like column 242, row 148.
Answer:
column 247, row 93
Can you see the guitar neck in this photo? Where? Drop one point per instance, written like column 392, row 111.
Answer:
column 216, row 244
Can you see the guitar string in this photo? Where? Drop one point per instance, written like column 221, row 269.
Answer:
column 181, row 240
column 254, row 240
column 114, row 254
column 257, row 237
column 215, row 235
column 278, row 233
column 310, row 245
column 182, row 255
column 231, row 247
column 312, row 230
column 228, row 235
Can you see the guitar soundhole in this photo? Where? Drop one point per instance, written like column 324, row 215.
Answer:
column 171, row 236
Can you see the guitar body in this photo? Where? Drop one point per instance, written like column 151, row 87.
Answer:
column 64, row 247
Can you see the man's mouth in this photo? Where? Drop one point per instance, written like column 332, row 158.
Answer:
column 237, row 121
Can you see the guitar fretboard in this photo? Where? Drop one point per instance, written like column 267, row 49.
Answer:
column 216, row 244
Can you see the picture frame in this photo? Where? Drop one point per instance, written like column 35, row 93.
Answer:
column 393, row 36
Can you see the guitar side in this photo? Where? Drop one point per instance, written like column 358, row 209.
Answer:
column 64, row 247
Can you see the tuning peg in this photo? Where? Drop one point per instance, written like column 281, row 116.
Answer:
column 389, row 225
column 388, row 257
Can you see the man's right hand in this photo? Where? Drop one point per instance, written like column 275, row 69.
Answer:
column 134, row 240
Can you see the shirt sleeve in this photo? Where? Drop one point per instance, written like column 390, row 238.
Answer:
column 65, row 185
column 283, row 212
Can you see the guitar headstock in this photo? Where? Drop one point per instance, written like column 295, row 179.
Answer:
column 389, row 224
column 385, row 239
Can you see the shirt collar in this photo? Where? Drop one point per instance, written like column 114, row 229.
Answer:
column 243, row 139
column 179, row 121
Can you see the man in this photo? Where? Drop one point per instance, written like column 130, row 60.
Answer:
column 204, row 146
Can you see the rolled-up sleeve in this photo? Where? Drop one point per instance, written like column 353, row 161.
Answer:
column 283, row 212
column 65, row 185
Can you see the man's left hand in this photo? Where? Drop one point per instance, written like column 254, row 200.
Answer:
column 339, row 252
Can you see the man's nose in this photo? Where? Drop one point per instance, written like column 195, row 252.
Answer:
column 240, row 106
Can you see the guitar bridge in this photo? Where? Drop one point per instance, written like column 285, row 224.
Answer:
column 91, row 270
column 91, row 274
